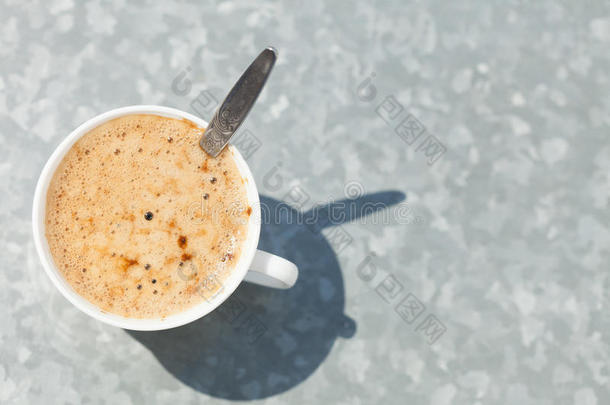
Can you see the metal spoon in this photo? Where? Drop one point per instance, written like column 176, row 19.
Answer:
column 235, row 108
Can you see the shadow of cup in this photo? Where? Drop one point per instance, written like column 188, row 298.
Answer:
column 262, row 341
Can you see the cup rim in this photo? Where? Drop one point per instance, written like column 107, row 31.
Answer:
column 229, row 285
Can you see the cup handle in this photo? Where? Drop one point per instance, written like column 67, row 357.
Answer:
column 272, row 271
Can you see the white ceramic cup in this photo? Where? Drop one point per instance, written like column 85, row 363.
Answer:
column 253, row 265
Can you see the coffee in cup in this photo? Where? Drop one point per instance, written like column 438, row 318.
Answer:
column 140, row 221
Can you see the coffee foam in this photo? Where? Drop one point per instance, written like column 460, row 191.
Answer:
column 96, row 217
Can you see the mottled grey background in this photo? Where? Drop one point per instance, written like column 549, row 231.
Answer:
column 507, row 241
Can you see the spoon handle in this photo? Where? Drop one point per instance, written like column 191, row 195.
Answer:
column 235, row 108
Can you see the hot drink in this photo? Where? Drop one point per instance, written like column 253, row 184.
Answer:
column 141, row 221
